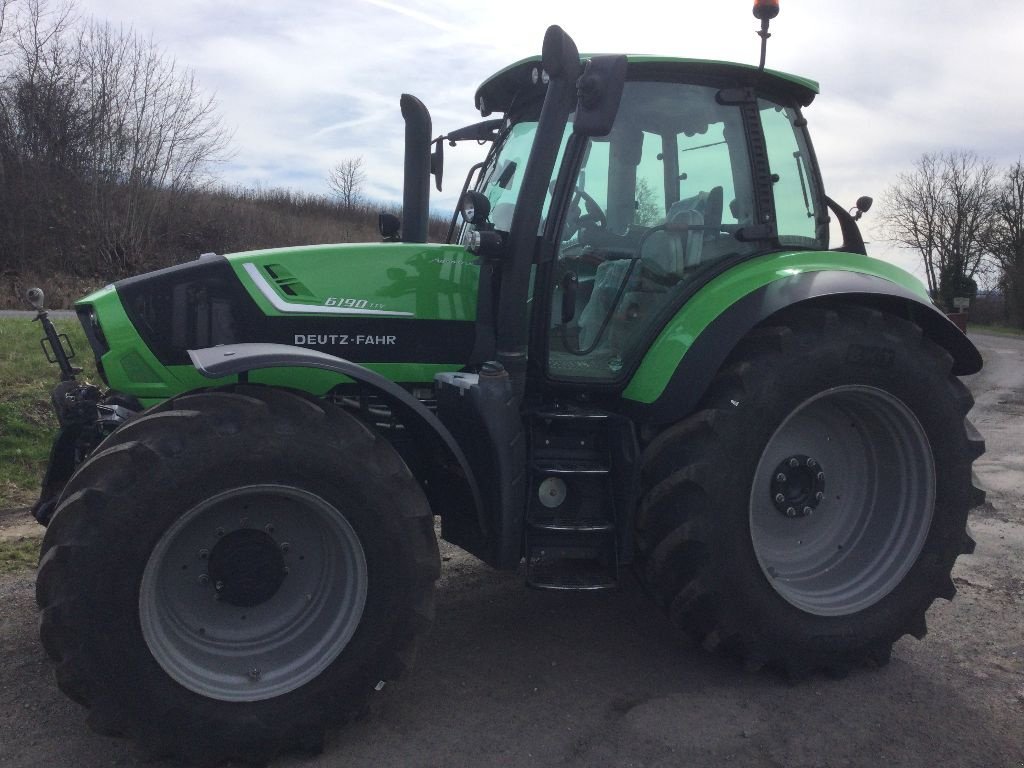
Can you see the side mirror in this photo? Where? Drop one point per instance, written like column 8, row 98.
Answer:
column 600, row 91
column 437, row 161
column 475, row 208
column 559, row 55
column 389, row 226
column 862, row 206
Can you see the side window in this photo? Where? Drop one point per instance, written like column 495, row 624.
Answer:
column 795, row 198
column 702, row 158
column 650, row 182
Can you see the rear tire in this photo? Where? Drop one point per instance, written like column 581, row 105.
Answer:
column 809, row 513
column 233, row 572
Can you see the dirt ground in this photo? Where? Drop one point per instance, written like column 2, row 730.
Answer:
column 514, row 677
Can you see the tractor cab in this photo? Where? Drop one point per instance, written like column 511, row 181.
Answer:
column 698, row 166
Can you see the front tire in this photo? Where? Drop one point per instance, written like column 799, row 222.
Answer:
column 810, row 512
column 233, row 572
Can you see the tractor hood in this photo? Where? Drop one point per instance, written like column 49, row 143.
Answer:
column 374, row 304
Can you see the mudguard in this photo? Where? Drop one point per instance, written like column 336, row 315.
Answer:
column 239, row 359
column 709, row 350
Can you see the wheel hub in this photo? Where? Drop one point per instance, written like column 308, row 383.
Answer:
column 798, row 486
column 281, row 590
column 246, row 567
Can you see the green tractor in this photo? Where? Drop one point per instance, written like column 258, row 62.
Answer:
column 636, row 349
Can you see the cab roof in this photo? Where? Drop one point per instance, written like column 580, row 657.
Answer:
column 499, row 91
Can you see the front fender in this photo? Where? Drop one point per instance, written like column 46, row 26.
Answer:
column 239, row 359
column 681, row 364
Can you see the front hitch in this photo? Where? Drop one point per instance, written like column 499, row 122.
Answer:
column 56, row 346
column 85, row 414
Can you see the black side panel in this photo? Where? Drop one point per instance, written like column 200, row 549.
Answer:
column 202, row 304
column 197, row 304
column 483, row 415
column 713, row 346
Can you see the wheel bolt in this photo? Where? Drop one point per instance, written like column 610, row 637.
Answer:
column 808, row 510
column 779, row 498
column 812, row 463
column 204, row 579
column 204, row 553
column 220, row 531
column 794, row 463
column 790, row 512
column 781, row 477
column 269, row 528
column 821, row 476
column 219, row 586
column 285, row 546
column 819, row 496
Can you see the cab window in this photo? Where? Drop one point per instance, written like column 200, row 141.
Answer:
column 656, row 204
column 796, row 214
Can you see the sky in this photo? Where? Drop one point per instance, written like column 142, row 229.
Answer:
column 305, row 84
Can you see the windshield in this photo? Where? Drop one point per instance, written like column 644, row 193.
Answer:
column 502, row 175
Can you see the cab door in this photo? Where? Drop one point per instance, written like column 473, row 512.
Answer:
column 656, row 205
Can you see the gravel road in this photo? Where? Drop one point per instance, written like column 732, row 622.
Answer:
column 515, row 677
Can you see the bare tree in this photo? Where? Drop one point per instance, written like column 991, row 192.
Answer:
column 102, row 137
column 943, row 210
column 40, row 134
column 346, row 180
column 1006, row 242
column 152, row 134
column 648, row 210
column 5, row 35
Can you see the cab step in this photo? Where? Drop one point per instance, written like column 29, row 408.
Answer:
column 572, row 520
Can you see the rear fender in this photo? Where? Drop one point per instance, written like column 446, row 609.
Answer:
column 431, row 435
column 700, row 360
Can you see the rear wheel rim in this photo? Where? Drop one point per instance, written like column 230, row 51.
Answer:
column 253, row 592
column 860, row 518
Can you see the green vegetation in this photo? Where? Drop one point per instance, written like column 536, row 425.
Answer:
column 27, row 421
column 19, row 554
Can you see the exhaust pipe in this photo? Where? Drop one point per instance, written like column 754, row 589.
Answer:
column 416, row 186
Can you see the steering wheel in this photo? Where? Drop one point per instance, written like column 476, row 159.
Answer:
column 595, row 214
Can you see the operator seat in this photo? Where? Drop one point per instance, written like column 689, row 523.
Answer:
column 686, row 247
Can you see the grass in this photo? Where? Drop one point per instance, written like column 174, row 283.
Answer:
column 27, row 420
column 19, row 554
column 998, row 330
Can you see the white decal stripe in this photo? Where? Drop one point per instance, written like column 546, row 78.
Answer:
column 309, row 309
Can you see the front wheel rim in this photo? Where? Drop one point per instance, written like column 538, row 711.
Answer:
column 253, row 592
column 861, row 517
